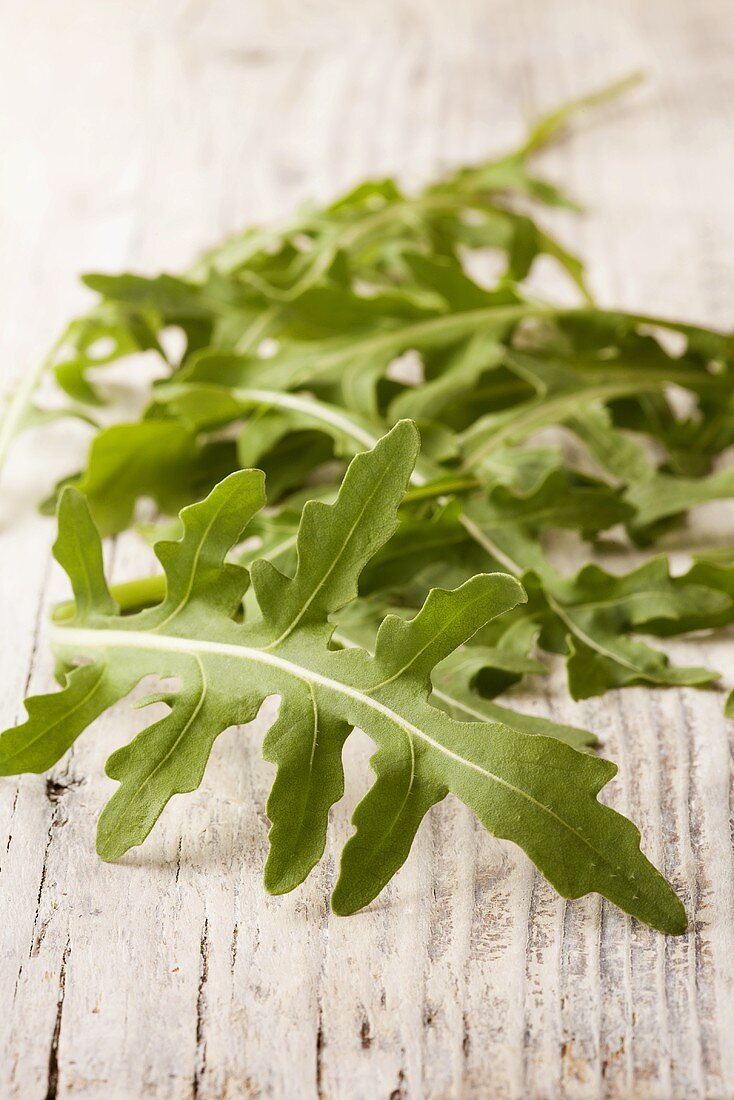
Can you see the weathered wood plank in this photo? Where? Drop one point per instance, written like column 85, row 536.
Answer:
column 138, row 134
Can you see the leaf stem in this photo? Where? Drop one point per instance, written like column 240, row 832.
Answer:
column 548, row 126
column 20, row 401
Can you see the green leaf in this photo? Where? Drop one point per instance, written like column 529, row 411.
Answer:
column 352, row 364
column 661, row 495
column 161, row 459
column 534, row 790
column 729, row 705
column 336, row 541
column 563, row 387
column 302, row 344
column 462, row 682
column 55, row 721
column 79, row 553
column 594, row 616
column 558, row 501
column 452, row 693
column 108, row 333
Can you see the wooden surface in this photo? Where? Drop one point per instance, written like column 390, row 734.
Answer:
column 133, row 134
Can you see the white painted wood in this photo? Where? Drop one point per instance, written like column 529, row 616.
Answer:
column 134, row 134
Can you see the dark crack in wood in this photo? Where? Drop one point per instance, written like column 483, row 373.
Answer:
column 233, row 947
column 399, row 1092
column 365, row 1035
column 200, row 1060
column 320, row 1056
column 53, row 1054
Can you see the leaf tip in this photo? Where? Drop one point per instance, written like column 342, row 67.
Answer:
column 514, row 585
column 679, row 924
column 341, row 907
column 277, row 880
column 70, row 500
column 109, row 848
column 673, row 920
column 408, row 430
column 729, row 706
column 345, row 901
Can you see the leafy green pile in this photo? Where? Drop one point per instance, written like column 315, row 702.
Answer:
column 403, row 589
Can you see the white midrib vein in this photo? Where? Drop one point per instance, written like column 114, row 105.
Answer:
column 319, row 410
column 82, row 640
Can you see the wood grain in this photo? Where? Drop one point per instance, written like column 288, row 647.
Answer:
column 134, row 134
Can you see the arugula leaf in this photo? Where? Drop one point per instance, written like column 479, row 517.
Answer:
column 160, row 459
column 465, row 682
column 106, row 334
column 239, row 293
column 394, row 601
column 593, row 617
column 534, row 790
column 559, row 500
column 658, row 497
column 215, row 390
column 594, row 629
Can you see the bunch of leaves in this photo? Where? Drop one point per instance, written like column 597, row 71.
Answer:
column 532, row 789
column 301, row 347
column 292, row 363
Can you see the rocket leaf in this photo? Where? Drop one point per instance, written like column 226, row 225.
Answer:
column 406, row 595
column 534, row 790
